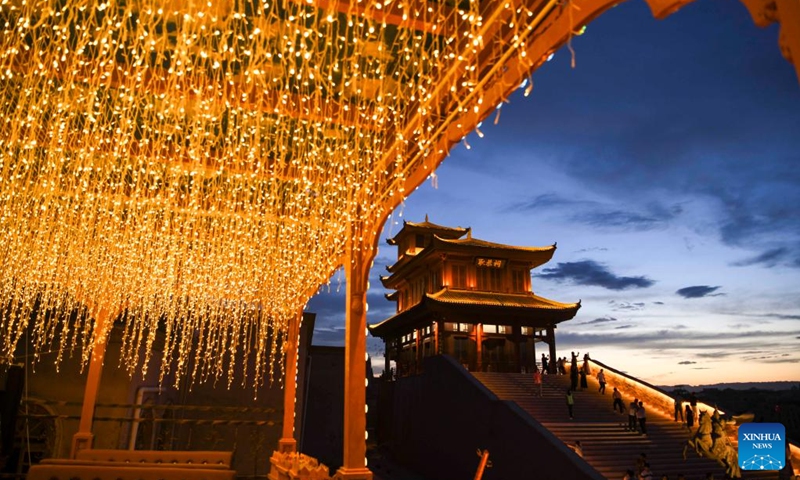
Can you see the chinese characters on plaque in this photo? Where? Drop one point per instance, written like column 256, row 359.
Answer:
column 490, row 262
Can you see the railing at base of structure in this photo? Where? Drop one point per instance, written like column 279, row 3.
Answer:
column 296, row 466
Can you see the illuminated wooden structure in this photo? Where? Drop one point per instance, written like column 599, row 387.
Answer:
column 206, row 166
column 468, row 298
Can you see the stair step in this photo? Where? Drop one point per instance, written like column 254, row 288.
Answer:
column 607, row 446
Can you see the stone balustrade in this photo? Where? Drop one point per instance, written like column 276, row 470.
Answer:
column 296, row 466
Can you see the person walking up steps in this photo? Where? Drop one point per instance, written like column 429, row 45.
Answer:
column 544, row 364
column 537, row 381
column 617, row 401
column 678, row 408
column 570, row 403
column 634, row 405
column 641, row 415
column 601, row 377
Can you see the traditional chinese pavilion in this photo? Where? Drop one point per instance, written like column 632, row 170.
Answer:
column 468, row 298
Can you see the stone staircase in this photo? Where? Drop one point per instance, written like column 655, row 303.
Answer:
column 607, row 446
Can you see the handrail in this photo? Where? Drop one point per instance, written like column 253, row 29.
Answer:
column 663, row 400
column 650, row 394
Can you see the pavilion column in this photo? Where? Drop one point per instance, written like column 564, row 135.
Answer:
column 518, row 347
column 479, row 346
column 84, row 438
column 355, row 371
column 287, row 442
column 436, row 338
column 418, row 346
column 551, row 341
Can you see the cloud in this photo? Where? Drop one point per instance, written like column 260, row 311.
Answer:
column 656, row 215
column 783, row 360
column 589, row 272
column 698, row 291
column 658, row 303
column 770, row 258
column 622, row 327
column 686, row 362
column 592, row 249
column 714, row 354
column 651, row 215
column 625, row 306
column 599, row 320
column 782, row 316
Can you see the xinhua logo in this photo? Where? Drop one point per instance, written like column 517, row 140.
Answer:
column 762, row 446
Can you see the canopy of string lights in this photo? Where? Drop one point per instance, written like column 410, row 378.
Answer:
column 202, row 168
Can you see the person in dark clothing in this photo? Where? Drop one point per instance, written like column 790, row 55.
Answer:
column 689, row 417
column 693, row 404
column 573, row 378
column 634, row 405
column 678, row 408
column 641, row 415
column 584, row 384
column 601, row 378
column 617, row 401
column 544, row 364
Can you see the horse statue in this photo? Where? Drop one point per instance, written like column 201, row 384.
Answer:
column 711, row 441
column 701, row 441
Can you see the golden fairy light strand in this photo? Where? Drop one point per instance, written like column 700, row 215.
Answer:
column 198, row 168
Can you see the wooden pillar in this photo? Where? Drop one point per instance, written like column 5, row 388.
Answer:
column 418, row 353
column 84, row 438
column 551, row 341
column 479, row 346
column 287, row 442
column 355, row 371
column 436, row 338
column 518, row 347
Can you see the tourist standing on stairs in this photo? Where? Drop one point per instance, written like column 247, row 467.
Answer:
column 634, row 405
column 693, row 404
column 544, row 364
column 570, row 402
column 573, row 372
column 678, row 408
column 641, row 415
column 617, row 401
column 537, row 381
column 689, row 417
column 601, row 377
column 584, row 385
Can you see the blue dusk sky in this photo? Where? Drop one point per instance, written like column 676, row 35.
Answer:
column 667, row 167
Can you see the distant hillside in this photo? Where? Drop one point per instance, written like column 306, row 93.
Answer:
column 736, row 386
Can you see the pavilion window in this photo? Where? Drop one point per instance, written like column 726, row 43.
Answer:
column 490, row 329
column 435, row 281
column 459, row 274
column 504, row 329
column 527, row 330
column 490, row 279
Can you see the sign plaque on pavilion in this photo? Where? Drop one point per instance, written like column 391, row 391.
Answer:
column 467, row 298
